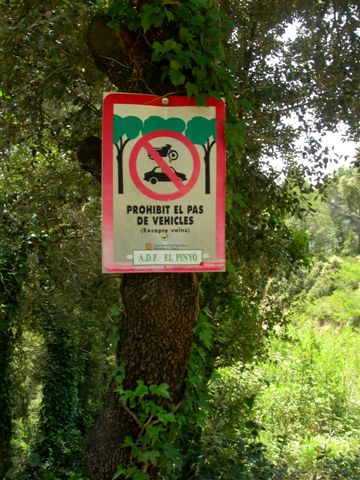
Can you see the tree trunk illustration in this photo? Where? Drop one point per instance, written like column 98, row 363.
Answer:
column 120, row 164
column 119, row 158
column 207, row 149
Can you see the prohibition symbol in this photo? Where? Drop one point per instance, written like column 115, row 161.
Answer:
column 182, row 187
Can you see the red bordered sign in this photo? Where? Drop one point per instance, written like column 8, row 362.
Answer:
column 163, row 184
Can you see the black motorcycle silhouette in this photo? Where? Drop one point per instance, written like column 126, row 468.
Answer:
column 166, row 151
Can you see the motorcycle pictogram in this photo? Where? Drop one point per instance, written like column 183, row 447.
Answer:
column 166, row 151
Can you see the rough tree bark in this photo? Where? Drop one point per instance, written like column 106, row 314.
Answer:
column 160, row 309
column 155, row 338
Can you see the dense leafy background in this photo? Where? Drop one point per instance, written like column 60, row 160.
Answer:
column 61, row 315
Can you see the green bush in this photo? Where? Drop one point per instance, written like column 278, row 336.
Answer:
column 295, row 415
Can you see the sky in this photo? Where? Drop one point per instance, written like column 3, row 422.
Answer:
column 343, row 151
column 341, row 148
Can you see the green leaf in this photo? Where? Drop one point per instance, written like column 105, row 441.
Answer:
column 230, row 268
column 114, row 25
column 141, row 389
column 157, row 50
column 170, row 45
column 151, row 16
column 197, row 20
column 161, row 390
column 139, row 475
column 170, row 451
column 121, row 372
column 176, row 77
column 131, row 396
column 191, row 89
column 175, row 64
column 207, row 312
column 152, row 434
column 119, row 471
column 146, row 22
column 128, row 442
column 200, row 417
column 169, row 15
column 115, row 310
column 151, row 456
column 185, row 35
column 166, row 418
column 205, row 330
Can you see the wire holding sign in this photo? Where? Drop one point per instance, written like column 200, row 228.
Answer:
column 163, row 184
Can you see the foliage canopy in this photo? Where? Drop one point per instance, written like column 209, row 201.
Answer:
column 50, row 94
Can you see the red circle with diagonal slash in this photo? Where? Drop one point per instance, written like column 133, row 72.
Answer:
column 181, row 188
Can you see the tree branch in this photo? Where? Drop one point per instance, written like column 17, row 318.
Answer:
column 132, row 414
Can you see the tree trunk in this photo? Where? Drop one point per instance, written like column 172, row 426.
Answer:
column 159, row 309
column 155, row 339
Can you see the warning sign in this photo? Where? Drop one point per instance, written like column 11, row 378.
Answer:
column 163, row 184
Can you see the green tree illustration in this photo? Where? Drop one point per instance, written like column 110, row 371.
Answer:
column 202, row 131
column 158, row 123
column 125, row 129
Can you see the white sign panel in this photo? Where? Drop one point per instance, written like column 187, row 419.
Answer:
column 163, row 184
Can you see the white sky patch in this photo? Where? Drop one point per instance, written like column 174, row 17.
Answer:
column 291, row 31
column 341, row 153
